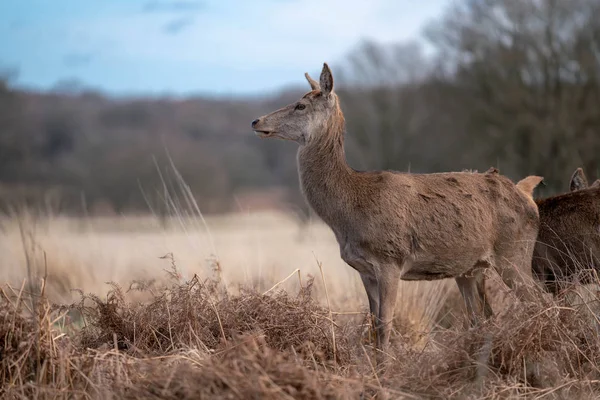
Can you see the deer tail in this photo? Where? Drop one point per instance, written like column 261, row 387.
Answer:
column 526, row 185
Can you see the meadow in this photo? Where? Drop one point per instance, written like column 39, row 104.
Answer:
column 255, row 305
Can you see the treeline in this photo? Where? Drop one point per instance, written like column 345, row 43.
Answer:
column 514, row 84
column 83, row 152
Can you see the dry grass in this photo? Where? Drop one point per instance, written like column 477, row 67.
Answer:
column 256, row 250
column 215, row 317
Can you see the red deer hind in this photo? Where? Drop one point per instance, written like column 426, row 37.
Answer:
column 392, row 226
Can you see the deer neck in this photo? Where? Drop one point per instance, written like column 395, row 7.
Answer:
column 326, row 179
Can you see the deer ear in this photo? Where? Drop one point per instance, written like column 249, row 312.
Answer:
column 314, row 85
column 326, row 80
column 578, row 180
column 596, row 184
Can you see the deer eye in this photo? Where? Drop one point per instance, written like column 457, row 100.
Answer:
column 300, row 107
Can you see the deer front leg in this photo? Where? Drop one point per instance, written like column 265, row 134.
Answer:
column 387, row 282
column 372, row 290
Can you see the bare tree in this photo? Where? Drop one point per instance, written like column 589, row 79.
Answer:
column 530, row 72
column 385, row 112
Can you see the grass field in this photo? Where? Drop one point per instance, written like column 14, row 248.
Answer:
column 255, row 306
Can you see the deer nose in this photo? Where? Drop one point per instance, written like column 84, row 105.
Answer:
column 254, row 122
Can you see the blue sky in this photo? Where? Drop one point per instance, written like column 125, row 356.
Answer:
column 222, row 47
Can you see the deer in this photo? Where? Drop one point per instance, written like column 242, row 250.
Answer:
column 393, row 226
column 568, row 244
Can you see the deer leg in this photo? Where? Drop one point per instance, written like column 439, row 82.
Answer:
column 486, row 349
column 472, row 289
column 514, row 265
column 487, row 308
column 469, row 290
column 372, row 290
column 519, row 281
column 388, row 290
column 516, row 272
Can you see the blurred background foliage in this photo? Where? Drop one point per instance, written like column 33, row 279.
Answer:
column 512, row 83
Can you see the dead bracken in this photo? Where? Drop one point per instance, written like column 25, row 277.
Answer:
column 194, row 339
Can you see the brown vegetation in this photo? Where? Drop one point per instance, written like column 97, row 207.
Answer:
column 195, row 340
column 199, row 338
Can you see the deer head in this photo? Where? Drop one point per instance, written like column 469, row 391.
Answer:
column 305, row 119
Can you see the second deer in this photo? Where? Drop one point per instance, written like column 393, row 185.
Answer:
column 568, row 245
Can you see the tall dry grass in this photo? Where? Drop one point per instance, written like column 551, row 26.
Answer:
column 230, row 317
column 256, row 250
column 248, row 306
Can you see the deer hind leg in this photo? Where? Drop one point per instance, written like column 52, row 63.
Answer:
column 516, row 272
column 515, row 268
column 487, row 308
column 472, row 289
column 372, row 289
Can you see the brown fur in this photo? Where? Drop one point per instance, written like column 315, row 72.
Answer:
column 392, row 225
column 568, row 245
